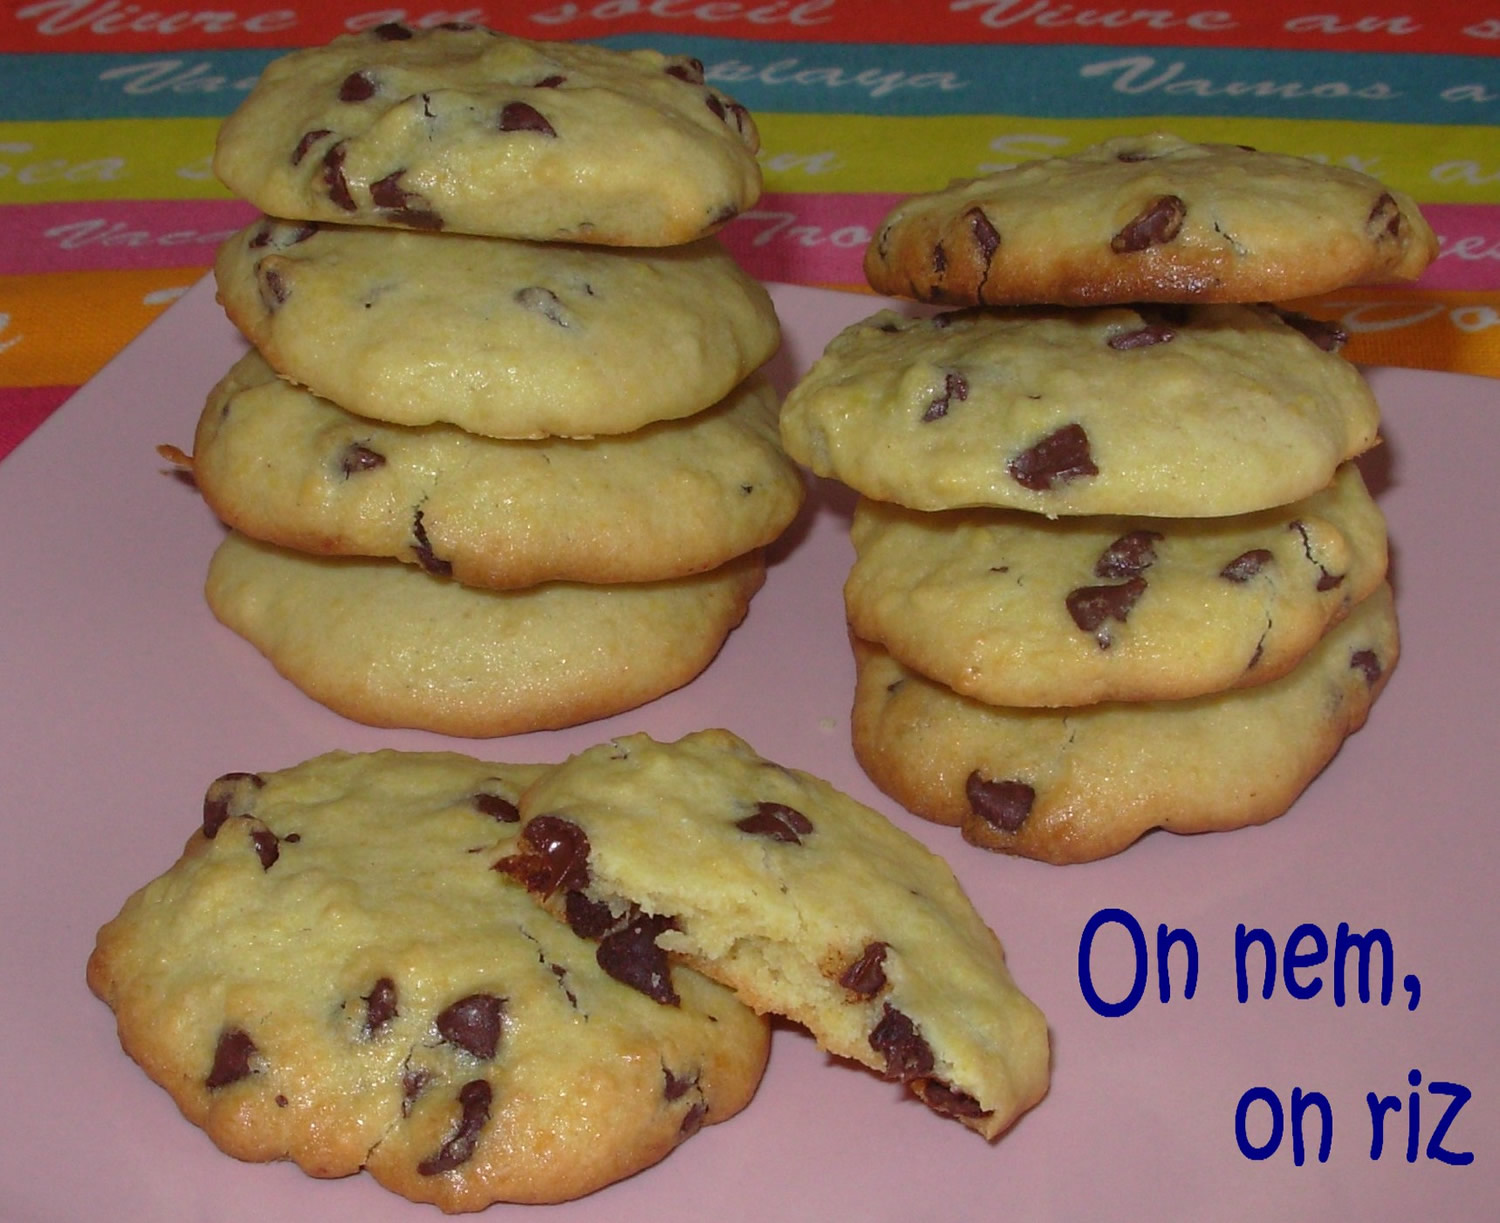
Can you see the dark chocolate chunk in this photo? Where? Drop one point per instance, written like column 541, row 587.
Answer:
column 939, row 260
column 497, row 807
column 677, row 1086
column 688, row 69
column 906, row 1052
column 986, row 236
column 1368, row 662
column 473, row 1023
column 414, row 1082
column 587, row 917
column 1056, row 459
column 1384, row 220
column 523, row 117
column 333, row 177
column 1158, row 222
column 693, row 1121
column 1246, row 565
column 474, row 1098
column 232, row 1057
column 391, row 31
column 422, row 548
column 358, row 457
column 357, row 87
column 1129, row 556
column 228, row 795
column 1328, row 336
column 306, row 143
column 380, row 1006
column 1093, row 607
column 273, row 290
column 550, row 82
column 1143, row 337
column 777, row 821
column 405, row 207
column 866, row 976
column 555, row 854
column 267, row 847
column 1004, row 804
column 630, row 955
column 948, row 1101
column 955, row 386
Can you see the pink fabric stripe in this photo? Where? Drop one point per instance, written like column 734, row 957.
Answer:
column 115, row 234
column 816, row 239
column 23, row 408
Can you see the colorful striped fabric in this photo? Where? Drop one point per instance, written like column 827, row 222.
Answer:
column 108, row 110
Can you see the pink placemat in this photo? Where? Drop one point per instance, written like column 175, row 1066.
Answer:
column 124, row 698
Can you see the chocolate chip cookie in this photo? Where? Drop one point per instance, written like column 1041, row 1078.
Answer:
column 803, row 901
column 333, row 973
column 1074, row 785
column 428, row 128
column 1150, row 218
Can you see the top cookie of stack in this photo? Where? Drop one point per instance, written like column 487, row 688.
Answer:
column 1109, row 518
column 503, row 434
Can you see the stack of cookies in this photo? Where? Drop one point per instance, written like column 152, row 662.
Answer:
column 501, row 458
column 1115, row 568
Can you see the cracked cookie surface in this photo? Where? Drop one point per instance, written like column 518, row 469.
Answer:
column 1075, row 785
column 333, row 973
column 1150, row 218
column 428, row 128
column 1012, row 608
column 504, row 339
column 390, row 645
column 680, row 497
column 1198, row 411
column 805, row 902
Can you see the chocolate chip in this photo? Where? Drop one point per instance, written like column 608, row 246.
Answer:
column 1004, row 804
column 939, row 260
column 986, row 236
column 688, row 69
column 414, row 1081
column 357, row 87
column 474, row 1099
column 1129, row 556
column 422, row 549
column 550, row 82
column 1093, row 607
column 1326, row 581
column 586, row 917
column 955, row 386
column 273, row 290
column 1130, row 155
column 306, row 143
column 1155, row 224
column 544, row 302
column 358, row 457
column 715, row 105
column 1384, row 220
column 496, row 807
column 693, row 1121
column 1330, row 337
column 1056, row 459
column 228, row 795
column 777, row 821
column 907, row 1054
column 630, row 955
column 474, row 1024
column 555, row 855
column 333, row 177
column 948, row 1101
column 1142, row 337
column 459, row 27
column 391, row 31
column 1246, row 565
column 678, row 1086
column 1368, row 662
column 523, row 117
column 866, row 976
column 231, row 1059
column 405, row 207
column 267, row 847
column 380, row 1006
